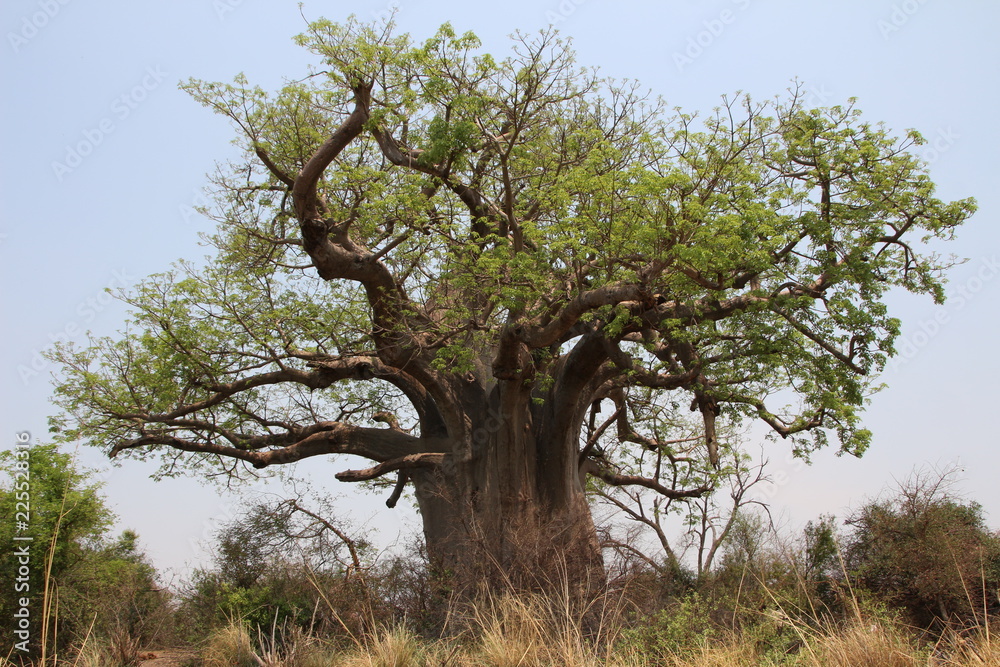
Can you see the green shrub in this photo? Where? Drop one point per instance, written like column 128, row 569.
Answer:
column 681, row 629
column 927, row 552
column 89, row 583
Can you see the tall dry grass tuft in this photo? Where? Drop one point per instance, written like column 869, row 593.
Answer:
column 230, row 646
column 514, row 631
column 234, row 646
column 778, row 626
column 124, row 648
column 731, row 654
column 502, row 631
column 106, row 654
column 979, row 650
column 509, row 635
column 394, row 647
column 873, row 645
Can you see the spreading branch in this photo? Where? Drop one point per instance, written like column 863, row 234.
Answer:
column 409, row 462
column 617, row 479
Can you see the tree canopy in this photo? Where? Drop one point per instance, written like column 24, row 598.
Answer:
column 443, row 262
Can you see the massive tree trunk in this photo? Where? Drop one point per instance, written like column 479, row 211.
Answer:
column 512, row 511
column 498, row 541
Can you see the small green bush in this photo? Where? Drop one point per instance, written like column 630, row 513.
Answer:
column 681, row 629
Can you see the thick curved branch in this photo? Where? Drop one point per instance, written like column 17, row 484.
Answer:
column 275, row 170
column 635, row 375
column 703, row 401
column 335, row 256
column 578, row 374
column 333, row 253
column 652, row 309
column 409, row 462
column 713, row 310
column 432, row 420
column 378, row 444
column 304, row 191
column 541, row 336
column 479, row 206
column 186, row 446
column 397, row 491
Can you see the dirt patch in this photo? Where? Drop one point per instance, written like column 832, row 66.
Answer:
column 169, row 658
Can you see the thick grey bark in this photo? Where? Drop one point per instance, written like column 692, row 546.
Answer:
column 509, row 516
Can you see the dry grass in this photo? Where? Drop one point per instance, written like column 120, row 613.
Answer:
column 981, row 650
column 517, row 632
column 233, row 646
column 396, row 647
column 230, row 646
column 514, row 631
column 537, row 631
column 726, row 654
column 874, row 645
column 507, row 631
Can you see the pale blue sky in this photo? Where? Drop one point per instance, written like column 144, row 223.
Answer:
column 105, row 157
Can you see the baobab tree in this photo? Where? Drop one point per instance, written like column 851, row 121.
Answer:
column 462, row 268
